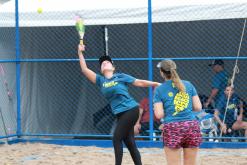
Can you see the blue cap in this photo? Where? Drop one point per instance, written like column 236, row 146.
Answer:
column 216, row 62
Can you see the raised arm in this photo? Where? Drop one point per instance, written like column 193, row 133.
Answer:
column 87, row 72
column 145, row 83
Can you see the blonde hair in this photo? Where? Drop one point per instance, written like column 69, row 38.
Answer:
column 177, row 81
column 168, row 67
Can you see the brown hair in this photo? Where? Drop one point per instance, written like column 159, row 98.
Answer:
column 168, row 67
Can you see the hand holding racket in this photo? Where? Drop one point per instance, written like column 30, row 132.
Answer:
column 80, row 28
column 81, row 48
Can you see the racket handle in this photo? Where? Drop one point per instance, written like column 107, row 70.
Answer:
column 81, row 42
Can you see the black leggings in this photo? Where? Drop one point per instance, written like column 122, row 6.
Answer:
column 124, row 131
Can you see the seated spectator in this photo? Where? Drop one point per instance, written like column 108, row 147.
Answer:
column 234, row 115
column 142, row 125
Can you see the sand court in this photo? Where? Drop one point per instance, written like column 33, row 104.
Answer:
column 49, row 154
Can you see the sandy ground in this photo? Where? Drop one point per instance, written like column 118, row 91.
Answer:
column 47, row 154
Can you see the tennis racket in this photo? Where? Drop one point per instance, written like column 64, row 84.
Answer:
column 80, row 28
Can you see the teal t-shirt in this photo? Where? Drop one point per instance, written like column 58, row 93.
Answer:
column 232, row 109
column 220, row 81
column 177, row 105
column 116, row 91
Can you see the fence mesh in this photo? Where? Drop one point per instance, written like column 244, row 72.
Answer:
column 8, row 103
column 55, row 96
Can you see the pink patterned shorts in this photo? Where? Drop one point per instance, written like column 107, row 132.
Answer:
column 185, row 134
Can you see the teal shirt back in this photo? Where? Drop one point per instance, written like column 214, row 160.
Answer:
column 116, row 91
column 177, row 105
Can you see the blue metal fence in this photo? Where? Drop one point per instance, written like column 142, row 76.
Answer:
column 38, row 117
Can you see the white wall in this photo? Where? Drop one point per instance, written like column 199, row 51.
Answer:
column 58, row 5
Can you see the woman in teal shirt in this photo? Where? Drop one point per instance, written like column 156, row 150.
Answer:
column 174, row 102
column 114, row 87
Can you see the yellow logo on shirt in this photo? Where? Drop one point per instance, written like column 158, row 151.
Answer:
column 170, row 94
column 109, row 84
column 231, row 106
column 181, row 101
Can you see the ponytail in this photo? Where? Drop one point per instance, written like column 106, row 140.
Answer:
column 168, row 68
column 177, row 81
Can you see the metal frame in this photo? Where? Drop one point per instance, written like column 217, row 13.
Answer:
column 20, row 137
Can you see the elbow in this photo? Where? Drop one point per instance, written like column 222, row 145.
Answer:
column 142, row 84
column 159, row 115
column 197, row 110
column 197, row 107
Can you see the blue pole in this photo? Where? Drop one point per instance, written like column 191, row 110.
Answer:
column 150, row 67
column 18, row 67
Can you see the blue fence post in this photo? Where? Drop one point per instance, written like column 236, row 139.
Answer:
column 150, row 67
column 17, row 51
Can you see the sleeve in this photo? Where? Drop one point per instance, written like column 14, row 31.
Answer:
column 157, row 96
column 98, row 80
column 127, row 78
column 194, row 92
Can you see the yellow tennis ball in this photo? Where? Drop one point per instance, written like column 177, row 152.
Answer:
column 40, row 10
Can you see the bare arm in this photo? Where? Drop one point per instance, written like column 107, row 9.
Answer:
column 196, row 103
column 145, row 83
column 140, row 116
column 158, row 110
column 137, row 126
column 212, row 95
column 217, row 118
column 87, row 72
